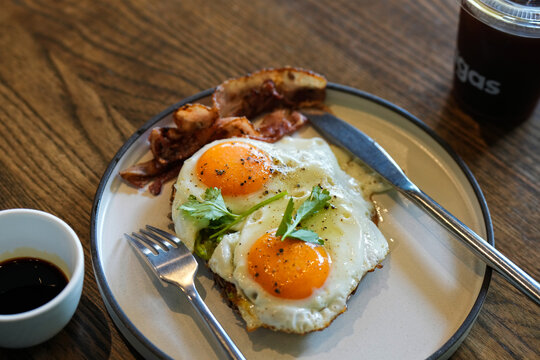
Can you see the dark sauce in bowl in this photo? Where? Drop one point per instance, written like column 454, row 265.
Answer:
column 27, row 283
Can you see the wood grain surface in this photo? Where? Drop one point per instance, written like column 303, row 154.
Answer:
column 78, row 77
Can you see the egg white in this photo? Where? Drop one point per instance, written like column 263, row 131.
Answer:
column 354, row 243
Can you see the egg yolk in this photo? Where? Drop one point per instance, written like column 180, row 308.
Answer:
column 289, row 269
column 237, row 168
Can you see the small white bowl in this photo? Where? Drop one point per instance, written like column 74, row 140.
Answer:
column 34, row 233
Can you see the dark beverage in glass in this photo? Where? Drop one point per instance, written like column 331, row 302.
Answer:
column 497, row 63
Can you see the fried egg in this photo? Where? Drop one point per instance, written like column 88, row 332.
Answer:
column 291, row 285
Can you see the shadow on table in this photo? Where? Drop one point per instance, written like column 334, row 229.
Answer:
column 89, row 329
column 491, row 132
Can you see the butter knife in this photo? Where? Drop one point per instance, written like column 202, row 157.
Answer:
column 372, row 154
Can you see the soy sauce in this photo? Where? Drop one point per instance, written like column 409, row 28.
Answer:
column 27, row 283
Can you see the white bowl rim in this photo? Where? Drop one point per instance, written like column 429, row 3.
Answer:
column 76, row 277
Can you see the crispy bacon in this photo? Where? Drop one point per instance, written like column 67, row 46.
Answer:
column 162, row 178
column 194, row 117
column 280, row 123
column 141, row 174
column 266, row 90
column 236, row 102
column 230, row 127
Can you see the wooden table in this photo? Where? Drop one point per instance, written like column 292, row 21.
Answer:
column 77, row 78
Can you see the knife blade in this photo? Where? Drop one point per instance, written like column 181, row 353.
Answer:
column 372, row 154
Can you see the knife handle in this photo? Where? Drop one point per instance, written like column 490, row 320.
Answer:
column 491, row 256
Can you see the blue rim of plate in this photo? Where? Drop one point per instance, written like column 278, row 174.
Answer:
column 106, row 292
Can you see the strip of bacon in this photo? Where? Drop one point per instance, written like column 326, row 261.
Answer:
column 268, row 89
column 280, row 123
column 236, row 102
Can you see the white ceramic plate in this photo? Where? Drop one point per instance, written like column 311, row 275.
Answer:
column 421, row 304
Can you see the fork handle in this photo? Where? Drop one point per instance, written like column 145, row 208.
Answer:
column 228, row 345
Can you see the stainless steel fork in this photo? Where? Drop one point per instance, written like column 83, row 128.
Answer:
column 172, row 261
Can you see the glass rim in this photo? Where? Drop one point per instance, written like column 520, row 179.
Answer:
column 507, row 14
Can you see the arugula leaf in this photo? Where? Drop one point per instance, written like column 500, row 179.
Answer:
column 317, row 200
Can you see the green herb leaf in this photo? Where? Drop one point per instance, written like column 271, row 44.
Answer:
column 203, row 247
column 215, row 219
column 287, row 218
column 248, row 212
column 317, row 200
column 212, row 208
column 307, row 236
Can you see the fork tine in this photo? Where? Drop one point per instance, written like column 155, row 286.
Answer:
column 163, row 242
column 165, row 234
column 149, row 243
column 139, row 246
